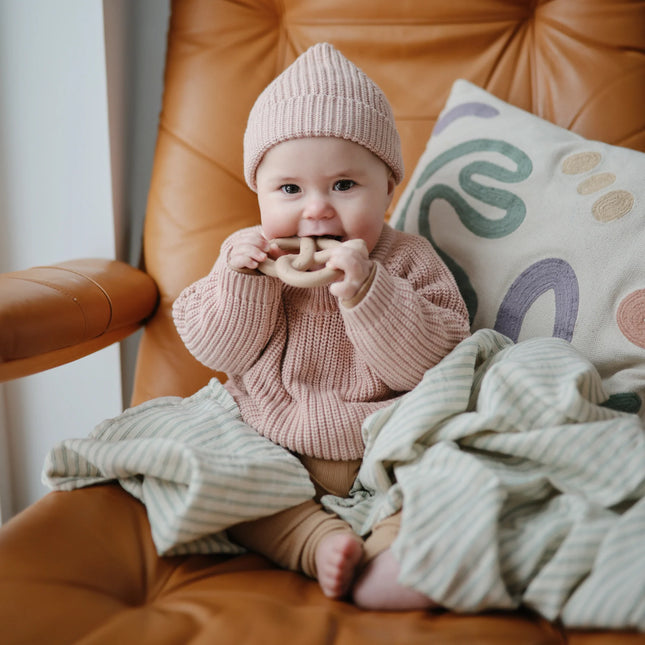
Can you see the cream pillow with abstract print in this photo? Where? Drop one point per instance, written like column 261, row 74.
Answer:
column 544, row 231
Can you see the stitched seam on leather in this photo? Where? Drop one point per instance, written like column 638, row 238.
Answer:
column 71, row 297
column 95, row 283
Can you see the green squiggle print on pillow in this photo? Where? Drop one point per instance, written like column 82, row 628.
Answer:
column 624, row 402
column 513, row 206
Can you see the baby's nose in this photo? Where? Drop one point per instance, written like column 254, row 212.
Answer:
column 318, row 207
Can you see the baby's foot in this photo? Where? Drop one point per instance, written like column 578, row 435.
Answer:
column 378, row 589
column 337, row 557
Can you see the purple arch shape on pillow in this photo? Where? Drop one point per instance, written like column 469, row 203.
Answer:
column 551, row 273
column 475, row 108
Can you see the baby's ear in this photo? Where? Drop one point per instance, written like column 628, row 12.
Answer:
column 391, row 183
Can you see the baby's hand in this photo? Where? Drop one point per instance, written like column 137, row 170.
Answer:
column 352, row 258
column 251, row 249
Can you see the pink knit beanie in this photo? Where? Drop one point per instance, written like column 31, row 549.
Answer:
column 322, row 94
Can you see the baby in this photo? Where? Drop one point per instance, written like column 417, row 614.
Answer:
column 307, row 366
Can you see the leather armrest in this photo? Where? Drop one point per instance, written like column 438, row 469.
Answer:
column 55, row 314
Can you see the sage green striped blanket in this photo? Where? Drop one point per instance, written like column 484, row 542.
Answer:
column 193, row 462
column 516, row 485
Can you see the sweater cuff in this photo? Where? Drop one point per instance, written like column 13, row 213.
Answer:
column 350, row 303
column 377, row 299
column 249, row 285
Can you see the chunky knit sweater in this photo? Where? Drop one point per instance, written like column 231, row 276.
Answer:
column 306, row 370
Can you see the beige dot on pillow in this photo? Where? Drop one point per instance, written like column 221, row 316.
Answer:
column 580, row 162
column 613, row 205
column 596, row 182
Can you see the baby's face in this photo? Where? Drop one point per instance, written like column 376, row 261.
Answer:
column 323, row 186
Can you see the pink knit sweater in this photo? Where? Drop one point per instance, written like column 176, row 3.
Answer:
column 306, row 371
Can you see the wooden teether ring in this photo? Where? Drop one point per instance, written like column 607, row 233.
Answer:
column 294, row 269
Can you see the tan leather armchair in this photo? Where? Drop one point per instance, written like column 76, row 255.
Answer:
column 80, row 567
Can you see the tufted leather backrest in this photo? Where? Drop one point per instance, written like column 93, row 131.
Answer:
column 577, row 63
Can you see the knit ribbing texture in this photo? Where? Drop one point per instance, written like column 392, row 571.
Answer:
column 306, row 372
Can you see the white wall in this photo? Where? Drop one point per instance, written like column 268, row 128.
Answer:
column 66, row 191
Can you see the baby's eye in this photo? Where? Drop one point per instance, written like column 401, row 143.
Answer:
column 290, row 189
column 344, row 184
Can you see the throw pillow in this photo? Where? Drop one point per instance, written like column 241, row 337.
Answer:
column 543, row 229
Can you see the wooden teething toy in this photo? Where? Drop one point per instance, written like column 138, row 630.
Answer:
column 294, row 268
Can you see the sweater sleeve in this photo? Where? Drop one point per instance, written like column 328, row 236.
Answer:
column 226, row 318
column 412, row 316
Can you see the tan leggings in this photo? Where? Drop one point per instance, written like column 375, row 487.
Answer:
column 290, row 538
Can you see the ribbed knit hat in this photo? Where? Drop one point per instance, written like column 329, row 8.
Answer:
column 322, row 94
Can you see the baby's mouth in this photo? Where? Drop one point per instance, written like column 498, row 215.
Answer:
column 331, row 229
